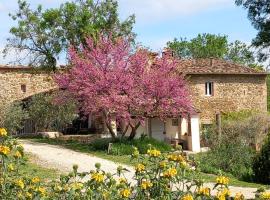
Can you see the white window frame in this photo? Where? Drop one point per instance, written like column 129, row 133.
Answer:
column 209, row 88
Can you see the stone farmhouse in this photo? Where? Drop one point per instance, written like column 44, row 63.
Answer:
column 216, row 86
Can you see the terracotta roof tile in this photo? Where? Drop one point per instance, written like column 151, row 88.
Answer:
column 214, row 66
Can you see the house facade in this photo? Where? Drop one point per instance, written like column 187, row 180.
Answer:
column 217, row 86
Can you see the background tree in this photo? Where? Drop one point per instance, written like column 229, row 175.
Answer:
column 12, row 117
column 214, row 46
column 44, row 35
column 258, row 13
column 111, row 80
column 49, row 115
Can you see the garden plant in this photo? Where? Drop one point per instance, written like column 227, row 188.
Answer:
column 157, row 176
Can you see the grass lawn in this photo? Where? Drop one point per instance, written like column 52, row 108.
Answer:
column 32, row 169
column 125, row 159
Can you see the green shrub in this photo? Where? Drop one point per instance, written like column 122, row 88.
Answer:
column 48, row 115
column 261, row 165
column 125, row 147
column 232, row 152
column 234, row 158
column 12, row 117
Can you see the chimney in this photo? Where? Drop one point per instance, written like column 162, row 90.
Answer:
column 152, row 55
column 167, row 52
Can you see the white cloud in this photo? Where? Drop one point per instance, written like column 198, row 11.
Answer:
column 155, row 10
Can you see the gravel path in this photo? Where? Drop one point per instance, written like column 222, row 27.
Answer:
column 62, row 159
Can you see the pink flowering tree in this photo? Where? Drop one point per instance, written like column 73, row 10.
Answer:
column 108, row 78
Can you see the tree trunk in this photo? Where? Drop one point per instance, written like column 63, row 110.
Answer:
column 124, row 131
column 133, row 131
column 109, row 126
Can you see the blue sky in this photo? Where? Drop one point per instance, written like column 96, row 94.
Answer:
column 159, row 21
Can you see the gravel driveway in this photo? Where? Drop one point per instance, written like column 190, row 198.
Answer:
column 62, row 159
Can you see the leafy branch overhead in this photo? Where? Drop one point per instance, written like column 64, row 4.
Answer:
column 258, row 13
column 45, row 35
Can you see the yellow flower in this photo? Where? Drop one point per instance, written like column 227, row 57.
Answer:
column 10, row 167
column 153, row 152
column 28, row 195
column 4, row 150
column 123, row 180
column 204, row 191
column 77, row 186
column 221, row 195
column 139, row 167
column 187, row 197
column 239, row 196
column 146, row 184
column 125, row 193
column 17, row 154
column 41, row 190
column 265, row 196
column 171, row 172
column 162, row 164
column 3, row 132
column 98, row 177
column 1, row 181
column 20, row 183
column 176, row 157
column 35, row 180
column 222, row 180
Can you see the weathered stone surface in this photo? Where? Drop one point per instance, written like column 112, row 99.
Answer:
column 12, row 83
column 231, row 93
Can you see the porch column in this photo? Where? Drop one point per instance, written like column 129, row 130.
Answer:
column 195, row 133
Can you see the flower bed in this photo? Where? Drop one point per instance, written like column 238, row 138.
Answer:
column 157, row 176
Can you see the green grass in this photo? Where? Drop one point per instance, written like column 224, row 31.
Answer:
column 31, row 169
column 85, row 148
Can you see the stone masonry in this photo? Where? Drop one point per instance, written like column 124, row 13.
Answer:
column 232, row 92
column 20, row 83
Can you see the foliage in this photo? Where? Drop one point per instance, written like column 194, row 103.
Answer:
column 47, row 34
column 111, row 80
column 155, row 176
column 202, row 46
column 240, row 132
column 12, row 117
column 124, row 146
column 214, row 46
column 261, row 164
column 258, row 13
column 50, row 115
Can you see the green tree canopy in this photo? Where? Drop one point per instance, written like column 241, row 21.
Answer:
column 44, row 35
column 214, row 46
column 258, row 13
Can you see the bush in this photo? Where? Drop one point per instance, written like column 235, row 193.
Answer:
column 234, row 158
column 155, row 176
column 233, row 151
column 123, row 146
column 48, row 115
column 261, row 165
column 12, row 117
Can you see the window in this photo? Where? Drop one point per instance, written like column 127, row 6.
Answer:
column 209, row 88
column 23, row 88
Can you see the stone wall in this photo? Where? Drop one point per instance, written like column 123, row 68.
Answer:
column 231, row 93
column 20, row 84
